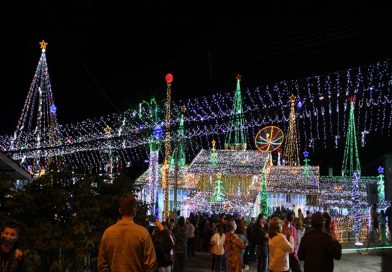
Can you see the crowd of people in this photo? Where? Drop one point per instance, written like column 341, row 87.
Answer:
column 380, row 220
column 275, row 243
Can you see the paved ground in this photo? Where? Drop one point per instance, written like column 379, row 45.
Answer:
column 351, row 262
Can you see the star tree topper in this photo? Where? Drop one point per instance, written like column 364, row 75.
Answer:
column 107, row 130
column 43, row 45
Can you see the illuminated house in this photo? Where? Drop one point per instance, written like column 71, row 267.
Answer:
column 236, row 174
column 293, row 186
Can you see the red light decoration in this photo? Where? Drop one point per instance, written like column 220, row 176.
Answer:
column 169, row 78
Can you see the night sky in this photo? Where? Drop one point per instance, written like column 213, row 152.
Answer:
column 107, row 56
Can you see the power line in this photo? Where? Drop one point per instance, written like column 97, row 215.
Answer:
column 78, row 58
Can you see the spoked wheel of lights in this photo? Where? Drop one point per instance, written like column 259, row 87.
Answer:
column 269, row 139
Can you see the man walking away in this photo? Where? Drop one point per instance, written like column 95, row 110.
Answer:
column 126, row 246
column 317, row 249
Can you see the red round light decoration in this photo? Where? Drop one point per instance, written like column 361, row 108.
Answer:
column 169, row 78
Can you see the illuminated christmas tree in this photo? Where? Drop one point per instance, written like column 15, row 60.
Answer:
column 37, row 125
column 290, row 152
column 380, row 185
column 236, row 137
column 351, row 162
column 157, row 134
column 264, row 193
column 218, row 194
column 181, row 144
column 213, row 155
column 179, row 149
column 306, row 172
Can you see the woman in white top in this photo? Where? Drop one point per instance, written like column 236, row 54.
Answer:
column 279, row 246
column 217, row 249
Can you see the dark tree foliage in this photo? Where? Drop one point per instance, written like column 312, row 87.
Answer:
column 62, row 216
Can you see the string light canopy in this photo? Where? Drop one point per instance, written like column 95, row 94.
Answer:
column 321, row 107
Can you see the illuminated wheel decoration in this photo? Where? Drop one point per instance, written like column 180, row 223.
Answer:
column 269, row 139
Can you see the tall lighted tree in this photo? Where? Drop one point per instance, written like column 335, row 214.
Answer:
column 290, row 151
column 213, row 155
column 218, row 194
column 351, row 162
column 356, row 211
column 264, row 193
column 236, row 136
column 181, row 144
column 179, row 157
column 153, row 168
column 306, row 172
column 37, row 125
column 380, row 184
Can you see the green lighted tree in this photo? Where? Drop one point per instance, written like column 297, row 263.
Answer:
column 351, row 162
column 306, row 172
column 236, row 136
column 264, row 194
column 380, row 184
column 218, row 194
column 213, row 155
column 181, row 144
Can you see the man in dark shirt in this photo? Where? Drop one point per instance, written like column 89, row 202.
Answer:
column 307, row 221
column 317, row 249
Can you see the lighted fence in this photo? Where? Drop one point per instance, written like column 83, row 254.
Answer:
column 345, row 234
